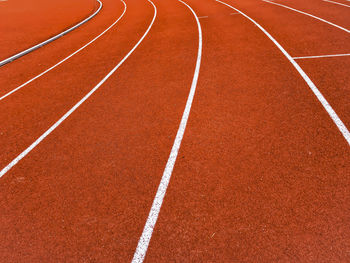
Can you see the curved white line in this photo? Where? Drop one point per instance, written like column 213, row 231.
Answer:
column 145, row 238
column 301, row 12
column 336, row 3
column 31, row 49
column 323, row 56
column 341, row 126
column 68, row 57
column 68, row 113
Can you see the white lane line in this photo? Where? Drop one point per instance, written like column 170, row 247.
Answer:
column 341, row 126
column 68, row 113
column 202, row 17
column 336, row 3
column 145, row 238
column 315, row 17
column 31, row 49
column 66, row 58
column 323, row 56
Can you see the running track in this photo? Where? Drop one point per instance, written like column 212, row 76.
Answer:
column 176, row 131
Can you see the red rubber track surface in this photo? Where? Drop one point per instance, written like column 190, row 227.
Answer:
column 78, row 212
column 262, row 173
column 304, row 36
column 329, row 11
column 27, row 23
column 19, row 71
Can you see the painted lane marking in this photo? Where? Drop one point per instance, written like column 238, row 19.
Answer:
column 68, row 113
column 145, row 238
column 31, row 49
column 234, row 14
column 203, row 17
column 307, row 14
column 336, row 3
column 341, row 126
column 323, row 56
column 63, row 60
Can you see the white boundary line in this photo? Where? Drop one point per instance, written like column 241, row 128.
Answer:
column 315, row 17
column 323, row 56
column 336, row 3
column 145, row 238
column 31, row 49
column 68, row 113
column 341, row 126
column 66, row 58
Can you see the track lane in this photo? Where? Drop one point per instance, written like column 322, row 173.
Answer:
column 20, row 71
column 262, row 173
column 25, row 24
column 96, row 175
column 66, row 58
column 51, row 39
column 336, row 3
column 147, row 232
column 47, row 99
column 331, row 12
column 301, row 35
column 44, row 101
column 331, row 81
column 346, row 30
column 337, row 121
column 332, row 76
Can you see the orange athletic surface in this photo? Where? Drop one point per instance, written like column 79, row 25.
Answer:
column 262, row 174
column 26, row 23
